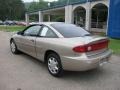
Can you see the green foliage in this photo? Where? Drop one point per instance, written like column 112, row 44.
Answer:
column 27, row 5
column 34, row 6
column 58, row 18
column 11, row 9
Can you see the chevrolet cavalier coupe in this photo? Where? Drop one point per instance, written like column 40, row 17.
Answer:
column 62, row 47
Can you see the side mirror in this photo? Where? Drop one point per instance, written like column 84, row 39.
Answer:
column 20, row 33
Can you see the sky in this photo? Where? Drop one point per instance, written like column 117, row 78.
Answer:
column 37, row 0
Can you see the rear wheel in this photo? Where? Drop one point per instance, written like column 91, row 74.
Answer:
column 54, row 65
column 13, row 47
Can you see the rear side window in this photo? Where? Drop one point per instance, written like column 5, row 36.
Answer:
column 47, row 32
column 70, row 30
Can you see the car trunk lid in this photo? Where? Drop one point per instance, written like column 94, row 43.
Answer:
column 92, row 45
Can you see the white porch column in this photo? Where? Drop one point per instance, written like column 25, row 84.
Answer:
column 88, row 16
column 27, row 19
column 49, row 18
column 40, row 16
column 68, row 14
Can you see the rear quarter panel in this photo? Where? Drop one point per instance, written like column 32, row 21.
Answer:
column 60, row 45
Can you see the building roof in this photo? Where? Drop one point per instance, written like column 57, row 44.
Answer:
column 47, row 23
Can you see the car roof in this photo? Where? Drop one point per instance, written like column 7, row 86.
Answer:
column 48, row 23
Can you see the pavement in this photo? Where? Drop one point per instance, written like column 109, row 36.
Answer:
column 22, row 72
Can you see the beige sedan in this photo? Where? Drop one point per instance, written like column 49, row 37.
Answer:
column 62, row 47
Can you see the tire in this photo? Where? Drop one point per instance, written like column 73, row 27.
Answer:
column 13, row 47
column 54, row 65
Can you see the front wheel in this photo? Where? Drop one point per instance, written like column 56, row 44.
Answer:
column 13, row 47
column 54, row 65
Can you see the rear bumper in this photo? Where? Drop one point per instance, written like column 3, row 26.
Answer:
column 86, row 63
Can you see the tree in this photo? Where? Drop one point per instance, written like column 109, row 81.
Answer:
column 11, row 9
column 34, row 6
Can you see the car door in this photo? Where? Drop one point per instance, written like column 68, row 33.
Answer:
column 28, row 40
column 43, row 41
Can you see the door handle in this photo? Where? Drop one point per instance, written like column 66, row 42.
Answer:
column 32, row 40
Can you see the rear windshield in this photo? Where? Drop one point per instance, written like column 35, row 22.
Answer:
column 70, row 30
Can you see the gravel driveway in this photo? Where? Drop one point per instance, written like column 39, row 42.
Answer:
column 22, row 72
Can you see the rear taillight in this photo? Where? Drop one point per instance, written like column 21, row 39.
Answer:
column 91, row 47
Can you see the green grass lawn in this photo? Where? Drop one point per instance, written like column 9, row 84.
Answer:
column 11, row 28
column 115, row 46
column 114, row 43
